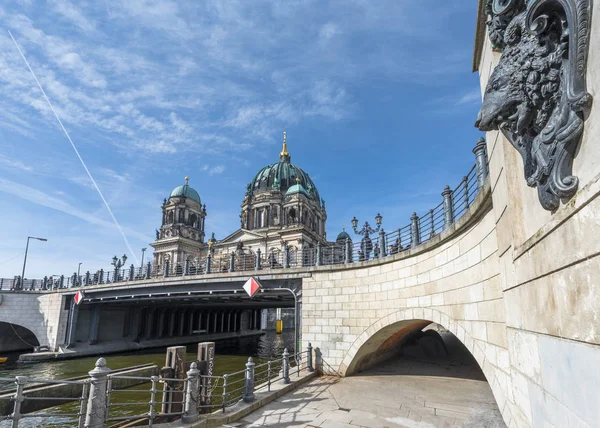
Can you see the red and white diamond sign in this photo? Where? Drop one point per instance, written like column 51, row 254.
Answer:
column 252, row 286
column 78, row 297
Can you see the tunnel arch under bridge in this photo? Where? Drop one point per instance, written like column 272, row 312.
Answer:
column 15, row 337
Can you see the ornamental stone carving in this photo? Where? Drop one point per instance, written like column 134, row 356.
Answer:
column 537, row 95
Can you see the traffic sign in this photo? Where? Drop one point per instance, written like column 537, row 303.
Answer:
column 78, row 297
column 252, row 286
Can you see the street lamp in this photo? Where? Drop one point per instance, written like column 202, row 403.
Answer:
column 77, row 278
column 118, row 263
column 366, row 245
column 25, row 259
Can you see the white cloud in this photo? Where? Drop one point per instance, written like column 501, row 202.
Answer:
column 212, row 170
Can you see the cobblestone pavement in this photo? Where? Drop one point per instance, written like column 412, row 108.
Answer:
column 403, row 392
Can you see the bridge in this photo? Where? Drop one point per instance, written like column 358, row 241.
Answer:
column 510, row 265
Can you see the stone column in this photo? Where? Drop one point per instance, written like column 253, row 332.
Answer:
column 181, row 323
column 95, row 416
column 94, row 324
column 161, row 323
column 171, row 326
column 149, row 323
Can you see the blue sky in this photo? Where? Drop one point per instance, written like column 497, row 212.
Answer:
column 377, row 98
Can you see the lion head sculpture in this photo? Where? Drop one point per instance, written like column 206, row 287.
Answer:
column 530, row 95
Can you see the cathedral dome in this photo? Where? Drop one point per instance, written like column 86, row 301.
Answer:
column 187, row 191
column 343, row 236
column 285, row 177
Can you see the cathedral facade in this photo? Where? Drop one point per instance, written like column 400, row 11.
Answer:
column 281, row 209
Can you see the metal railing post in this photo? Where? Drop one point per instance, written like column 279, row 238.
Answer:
column 466, row 188
column 347, row 251
column 131, row 272
column 480, row 152
column 258, row 265
column 82, row 405
column 87, row 278
column 96, row 407
column 232, row 262
column 62, row 281
column 18, row 399
column 224, row 392
column 186, row 267
column 166, row 272
column 248, row 396
column 285, row 366
column 192, row 399
column 101, row 277
column 208, row 260
column 431, row 222
column 148, row 270
column 448, row 196
column 153, row 391
column 415, row 238
column 269, row 375
column 319, row 254
column 309, row 358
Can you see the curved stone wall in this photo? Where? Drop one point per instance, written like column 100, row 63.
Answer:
column 356, row 316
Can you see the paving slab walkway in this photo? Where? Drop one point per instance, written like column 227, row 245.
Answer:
column 403, row 392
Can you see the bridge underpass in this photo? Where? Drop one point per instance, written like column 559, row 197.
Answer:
column 114, row 319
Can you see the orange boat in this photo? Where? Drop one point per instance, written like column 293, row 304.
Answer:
column 3, row 359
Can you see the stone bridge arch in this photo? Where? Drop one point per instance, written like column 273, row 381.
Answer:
column 15, row 337
column 43, row 314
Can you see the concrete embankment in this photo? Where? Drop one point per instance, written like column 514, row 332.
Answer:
column 44, row 395
column 115, row 346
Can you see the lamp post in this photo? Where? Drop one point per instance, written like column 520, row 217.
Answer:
column 143, row 251
column 118, row 263
column 78, row 270
column 25, row 259
column 366, row 246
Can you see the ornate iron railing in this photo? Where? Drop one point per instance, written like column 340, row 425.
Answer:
column 421, row 229
column 100, row 402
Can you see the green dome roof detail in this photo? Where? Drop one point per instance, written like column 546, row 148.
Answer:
column 343, row 236
column 186, row 191
column 297, row 188
column 283, row 176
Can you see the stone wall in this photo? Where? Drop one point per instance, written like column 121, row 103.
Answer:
column 549, row 274
column 356, row 316
column 41, row 313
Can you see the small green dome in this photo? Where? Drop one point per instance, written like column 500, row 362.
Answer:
column 186, row 191
column 343, row 236
column 297, row 188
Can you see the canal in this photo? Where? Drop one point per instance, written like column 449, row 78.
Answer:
column 230, row 356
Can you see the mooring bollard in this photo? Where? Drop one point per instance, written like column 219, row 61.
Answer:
column 286, row 366
column 191, row 395
column 309, row 362
column 249, row 382
column 96, row 409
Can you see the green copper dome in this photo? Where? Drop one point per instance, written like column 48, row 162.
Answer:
column 284, row 176
column 343, row 236
column 186, row 191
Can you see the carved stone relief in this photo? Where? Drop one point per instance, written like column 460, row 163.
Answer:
column 537, row 95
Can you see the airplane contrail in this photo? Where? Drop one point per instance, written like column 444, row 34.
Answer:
column 76, row 151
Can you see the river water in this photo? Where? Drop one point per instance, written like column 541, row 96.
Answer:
column 231, row 355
